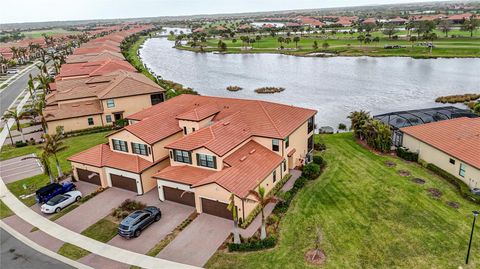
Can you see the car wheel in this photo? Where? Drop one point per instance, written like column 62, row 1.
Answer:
column 78, row 198
column 137, row 233
column 157, row 217
column 58, row 209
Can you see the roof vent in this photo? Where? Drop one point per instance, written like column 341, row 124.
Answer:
column 252, row 151
column 90, row 103
column 75, row 105
column 226, row 123
column 243, row 158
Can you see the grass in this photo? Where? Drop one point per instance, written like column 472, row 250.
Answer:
column 75, row 144
column 4, row 211
column 54, row 31
column 103, row 230
column 347, row 45
column 370, row 217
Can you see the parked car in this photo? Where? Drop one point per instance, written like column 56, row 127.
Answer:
column 12, row 71
column 46, row 193
column 136, row 222
column 61, row 201
column 476, row 191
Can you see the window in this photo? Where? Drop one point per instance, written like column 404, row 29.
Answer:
column 110, row 103
column 275, row 146
column 90, row 121
column 156, row 98
column 206, row 160
column 183, row 156
column 310, row 125
column 310, row 143
column 139, row 149
column 274, row 176
column 461, row 172
column 284, row 165
column 184, row 130
column 108, row 118
column 120, row 145
column 193, row 129
column 287, row 142
column 452, row 161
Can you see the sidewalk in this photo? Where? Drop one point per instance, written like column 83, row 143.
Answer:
column 64, row 234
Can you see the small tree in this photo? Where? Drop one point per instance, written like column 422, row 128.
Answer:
column 296, row 40
column 44, row 161
column 16, row 115
column 325, row 45
column 260, row 197
column 232, row 208
column 342, row 127
column 315, row 45
column 389, row 31
column 445, row 26
column 471, row 25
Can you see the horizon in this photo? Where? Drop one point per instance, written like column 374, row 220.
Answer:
column 59, row 10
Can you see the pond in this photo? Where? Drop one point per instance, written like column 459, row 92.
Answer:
column 334, row 86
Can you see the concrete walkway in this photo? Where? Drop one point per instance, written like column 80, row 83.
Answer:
column 66, row 235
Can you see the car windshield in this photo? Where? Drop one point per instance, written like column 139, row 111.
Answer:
column 123, row 227
column 55, row 200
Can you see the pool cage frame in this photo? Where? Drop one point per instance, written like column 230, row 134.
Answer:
column 400, row 119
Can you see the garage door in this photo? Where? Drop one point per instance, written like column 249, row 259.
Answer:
column 126, row 183
column 179, row 196
column 88, row 176
column 216, row 208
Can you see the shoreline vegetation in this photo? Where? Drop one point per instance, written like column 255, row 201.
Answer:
column 234, row 88
column 269, row 90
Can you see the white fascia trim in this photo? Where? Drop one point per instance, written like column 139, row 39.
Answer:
column 137, row 177
column 161, row 183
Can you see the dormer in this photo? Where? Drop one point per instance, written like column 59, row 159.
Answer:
column 197, row 118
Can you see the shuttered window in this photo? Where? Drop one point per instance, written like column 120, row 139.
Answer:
column 183, row 156
column 139, row 149
column 206, row 160
column 120, row 145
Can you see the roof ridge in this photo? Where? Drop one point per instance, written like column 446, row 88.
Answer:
column 269, row 118
column 113, row 85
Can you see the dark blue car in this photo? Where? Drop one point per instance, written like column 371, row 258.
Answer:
column 45, row 193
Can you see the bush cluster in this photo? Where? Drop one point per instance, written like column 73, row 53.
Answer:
column 405, row 154
column 318, row 160
column 92, row 130
column 312, row 170
column 20, row 144
column 254, row 243
column 127, row 207
column 460, row 185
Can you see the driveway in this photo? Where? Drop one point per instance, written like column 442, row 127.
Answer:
column 95, row 209
column 199, row 241
column 15, row 169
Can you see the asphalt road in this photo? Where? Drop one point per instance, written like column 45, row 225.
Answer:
column 17, row 255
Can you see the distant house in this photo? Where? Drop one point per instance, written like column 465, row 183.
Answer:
column 459, row 18
column 370, row 21
column 452, row 145
column 398, row 21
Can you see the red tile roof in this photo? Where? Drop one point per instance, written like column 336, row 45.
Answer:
column 459, row 138
column 72, row 110
column 102, row 156
column 94, row 68
column 99, row 56
column 184, row 174
column 200, row 112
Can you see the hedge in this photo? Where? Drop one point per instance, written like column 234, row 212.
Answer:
column 405, row 154
column 461, row 186
column 92, row 130
column 311, row 171
column 253, row 244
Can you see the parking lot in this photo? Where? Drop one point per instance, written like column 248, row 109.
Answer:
column 15, row 169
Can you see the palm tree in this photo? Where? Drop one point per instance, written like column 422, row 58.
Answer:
column 470, row 25
column 281, row 40
column 54, row 145
column 44, row 160
column 445, row 26
column 359, row 119
column 260, row 197
column 296, row 40
column 16, row 116
column 231, row 207
column 36, row 110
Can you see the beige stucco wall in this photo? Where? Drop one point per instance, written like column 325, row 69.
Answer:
column 100, row 171
column 442, row 160
column 74, row 124
column 194, row 159
column 159, row 150
column 149, row 183
column 194, row 124
column 125, row 135
column 127, row 105
column 298, row 140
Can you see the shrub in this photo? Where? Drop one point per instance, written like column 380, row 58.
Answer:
column 299, row 183
column 20, row 144
column 272, row 219
column 319, row 146
column 405, row 154
column 311, row 171
column 461, row 186
column 318, row 160
column 254, row 244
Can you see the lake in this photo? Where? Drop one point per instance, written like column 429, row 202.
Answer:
column 334, row 86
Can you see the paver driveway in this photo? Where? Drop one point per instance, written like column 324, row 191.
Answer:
column 95, row 209
column 199, row 241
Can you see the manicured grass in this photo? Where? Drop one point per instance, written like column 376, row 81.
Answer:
column 54, row 31
column 75, row 144
column 72, row 252
column 103, row 230
column 370, row 217
column 4, row 211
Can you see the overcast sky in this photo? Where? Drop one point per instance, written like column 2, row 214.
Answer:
column 59, row 10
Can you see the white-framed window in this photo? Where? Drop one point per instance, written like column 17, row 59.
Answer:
column 120, row 145
column 206, row 160
column 461, row 171
column 90, row 121
column 110, row 103
column 287, row 142
column 275, row 145
column 183, row 156
column 138, row 148
column 108, row 118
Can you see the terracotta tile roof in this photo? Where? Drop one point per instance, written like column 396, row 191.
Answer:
column 200, row 112
column 219, row 138
column 459, row 138
column 245, row 173
column 263, row 118
column 95, row 68
column 184, row 174
column 102, row 156
column 96, row 49
column 99, row 56
column 72, row 110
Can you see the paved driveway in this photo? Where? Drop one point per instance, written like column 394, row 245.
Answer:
column 199, row 241
column 95, row 209
column 15, row 169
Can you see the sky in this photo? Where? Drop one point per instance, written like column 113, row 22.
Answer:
column 61, row 10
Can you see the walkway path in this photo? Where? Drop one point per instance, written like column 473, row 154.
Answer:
column 66, row 235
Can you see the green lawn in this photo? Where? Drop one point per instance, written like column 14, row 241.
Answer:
column 54, row 31
column 75, row 144
column 103, row 231
column 370, row 217
column 4, row 210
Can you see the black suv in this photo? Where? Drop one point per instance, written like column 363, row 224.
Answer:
column 133, row 224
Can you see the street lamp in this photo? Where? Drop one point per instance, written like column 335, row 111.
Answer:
column 475, row 214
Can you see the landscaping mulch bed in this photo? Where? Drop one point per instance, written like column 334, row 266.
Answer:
column 390, row 164
column 315, row 257
column 435, row 193
column 404, row 173
column 453, row 204
column 418, row 181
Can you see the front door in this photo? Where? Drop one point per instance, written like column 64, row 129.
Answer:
column 118, row 116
